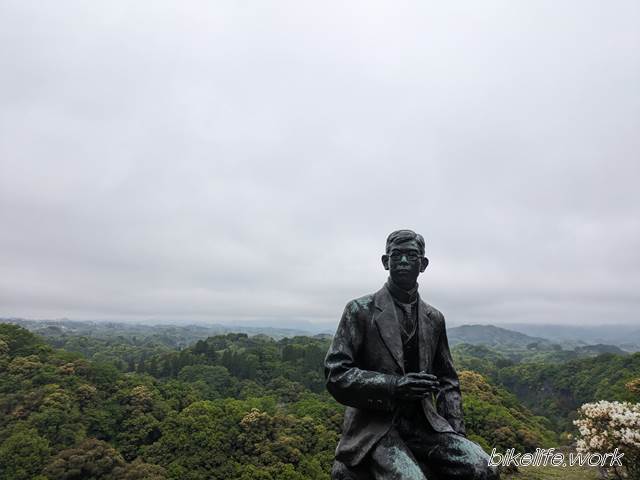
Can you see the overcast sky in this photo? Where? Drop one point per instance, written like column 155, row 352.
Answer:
column 242, row 161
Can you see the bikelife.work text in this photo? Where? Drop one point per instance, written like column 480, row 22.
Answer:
column 549, row 457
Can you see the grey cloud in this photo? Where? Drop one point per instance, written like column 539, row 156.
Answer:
column 228, row 161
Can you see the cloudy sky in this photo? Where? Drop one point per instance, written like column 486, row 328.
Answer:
column 245, row 161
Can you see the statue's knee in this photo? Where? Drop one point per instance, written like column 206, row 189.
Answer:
column 478, row 469
column 489, row 473
column 493, row 473
column 482, row 471
column 340, row 471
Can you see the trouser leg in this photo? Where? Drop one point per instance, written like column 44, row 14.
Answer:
column 391, row 459
column 453, row 456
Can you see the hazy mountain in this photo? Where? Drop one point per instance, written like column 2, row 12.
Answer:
column 599, row 349
column 625, row 336
column 187, row 333
column 493, row 336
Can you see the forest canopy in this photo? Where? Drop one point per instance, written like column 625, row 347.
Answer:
column 234, row 406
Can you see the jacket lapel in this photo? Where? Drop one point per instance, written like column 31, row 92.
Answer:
column 425, row 336
column 387, row 324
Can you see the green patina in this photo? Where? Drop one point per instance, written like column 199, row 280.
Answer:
column 403, row 463
column 364, row 301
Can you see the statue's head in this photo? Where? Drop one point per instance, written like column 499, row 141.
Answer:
column 404, row 257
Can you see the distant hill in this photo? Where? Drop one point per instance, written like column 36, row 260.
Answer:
column 518, row 347
column 181, row 335
column 599, row 349
column 625, row 336
column 493, row 336
column 323, row 336
column 514, row 345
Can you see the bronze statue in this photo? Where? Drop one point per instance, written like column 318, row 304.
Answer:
column 388, row 359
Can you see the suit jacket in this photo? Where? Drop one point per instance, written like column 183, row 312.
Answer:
column 363, row 359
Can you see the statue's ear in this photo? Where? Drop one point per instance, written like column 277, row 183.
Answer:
column 423, row 264
column 385, row 261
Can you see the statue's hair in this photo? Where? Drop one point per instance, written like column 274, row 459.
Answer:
column 404, row 236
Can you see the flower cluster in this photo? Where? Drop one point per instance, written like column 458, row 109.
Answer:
column 605, row 426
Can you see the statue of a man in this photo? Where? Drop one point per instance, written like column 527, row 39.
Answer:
column 388, row 359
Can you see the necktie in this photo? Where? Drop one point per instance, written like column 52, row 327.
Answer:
column 407, row 320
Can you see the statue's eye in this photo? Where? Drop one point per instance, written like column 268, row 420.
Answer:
column 412, row 257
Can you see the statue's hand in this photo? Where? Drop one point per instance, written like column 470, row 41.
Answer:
column 415, row 386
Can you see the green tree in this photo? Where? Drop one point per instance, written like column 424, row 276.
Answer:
column 23, row 454
column 91, row 460
column 139, row 470
column 58, row 418
column 143, row 409
column 216, row 380
column 20, row 341
column 494, row 417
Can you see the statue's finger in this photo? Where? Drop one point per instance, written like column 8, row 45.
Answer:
column 423, row 388
column 424, row 382
column 422, row 375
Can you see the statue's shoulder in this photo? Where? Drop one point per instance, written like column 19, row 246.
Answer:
column 363, row 303
column 432, row 311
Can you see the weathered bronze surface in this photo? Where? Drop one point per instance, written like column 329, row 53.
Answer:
column 388, row 360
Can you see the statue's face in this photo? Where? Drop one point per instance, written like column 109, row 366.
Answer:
column 404, row 262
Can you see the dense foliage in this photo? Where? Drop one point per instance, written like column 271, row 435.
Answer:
column 558, row 390
column 226, row 407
